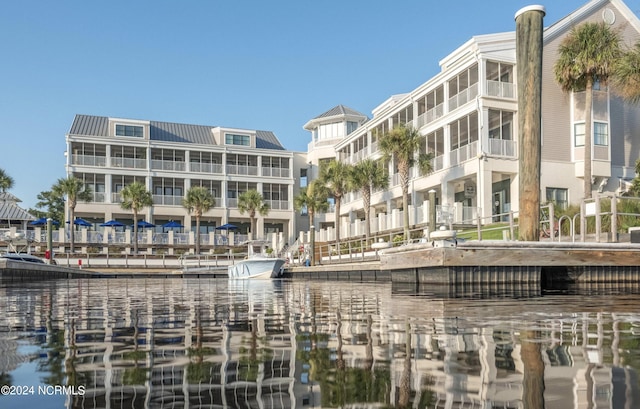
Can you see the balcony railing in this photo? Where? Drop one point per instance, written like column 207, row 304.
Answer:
column 242, row 170
column 463, row 154
column 503, row 147
column 278, row 204
column 159, row 164
column 463, row 97
column 430, row 116
column 167, row 200
column 88, row 160
column 133, row 163
column 276, row 172
column 206, row 167
column 501, row 89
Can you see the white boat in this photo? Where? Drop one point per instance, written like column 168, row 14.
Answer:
column 257, row 265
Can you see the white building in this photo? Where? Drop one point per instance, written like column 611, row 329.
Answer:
column 467, row 114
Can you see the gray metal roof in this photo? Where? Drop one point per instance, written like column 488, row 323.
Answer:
column 91, row 125
column 341, row 110
column 9, row 210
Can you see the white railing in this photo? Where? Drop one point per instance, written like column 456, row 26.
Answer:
column 430, row 116
column 276, row 172
column 205, row 167
column 88, row 160
column 501, row 89
column 232, row 202
column 159, row 164
column 463, row 97
column 278, row 204
column 503, row 147
column 437, row 163
column 167, row 200
column 134, row 163
column 242, row 170
column 463, row 154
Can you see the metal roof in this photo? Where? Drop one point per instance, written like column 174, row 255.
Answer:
column 91, row 125
column 9, row 210
column 340, row 110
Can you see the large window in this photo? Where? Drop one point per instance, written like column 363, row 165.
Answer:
column 129, row 130
column 559, row 196
column 578, row 134
column 500, row 124
column 233, row 139
column 600, row 133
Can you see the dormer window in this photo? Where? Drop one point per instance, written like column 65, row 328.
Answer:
column 234, row 139
column 130, row 130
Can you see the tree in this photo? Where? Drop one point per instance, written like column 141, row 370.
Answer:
column 587, row 56
column 52, row 204
column 6, row 181
column 74, row 190
column 313, row 198
column 252, row 202
column 400, row 145
column 198, row 200
column 336, row 176
column 368, row 175
column 135, row 197
column 626, row 78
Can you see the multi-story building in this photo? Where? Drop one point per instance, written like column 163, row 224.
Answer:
column 169, row 158
column 467, row 114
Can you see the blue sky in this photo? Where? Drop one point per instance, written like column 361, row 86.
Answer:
column 268, row 65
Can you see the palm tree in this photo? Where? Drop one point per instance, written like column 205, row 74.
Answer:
column 400, row 144
column 368, row 175
column 313, row 198
column 6, row 181
column 75, row 190
column 135, row 197
column 336, row 176
column 626, row 78
column 586, row 56
column 198, row 200
column 252, row 202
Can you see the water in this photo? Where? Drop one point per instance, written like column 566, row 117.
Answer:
column 141, row 343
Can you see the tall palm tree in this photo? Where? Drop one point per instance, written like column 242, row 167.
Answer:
column 368, row 175
column 198, row 200
column 74, row 190
column 587, row 55
column 400, row 145
column 252, row 202
column 335, row 175
column 626, row 78
column 313, row 198
column 135, row 197
column 6, row 181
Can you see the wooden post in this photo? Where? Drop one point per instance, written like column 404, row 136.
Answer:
column 529, row 27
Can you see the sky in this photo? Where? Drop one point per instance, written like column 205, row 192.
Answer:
column 250, row 64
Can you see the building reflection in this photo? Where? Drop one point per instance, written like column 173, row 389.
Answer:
column 201, row 343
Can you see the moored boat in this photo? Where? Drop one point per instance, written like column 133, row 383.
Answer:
column 257, row 265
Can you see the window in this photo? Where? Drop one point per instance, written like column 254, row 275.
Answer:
column 578, row 132
column 351, row 126
column 601, row 133
column 129, row 130
column 559, row 196
column 233, row 139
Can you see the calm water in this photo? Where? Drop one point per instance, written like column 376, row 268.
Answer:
column 293, row 344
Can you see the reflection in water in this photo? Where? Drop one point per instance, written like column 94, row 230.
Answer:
column 212, row 343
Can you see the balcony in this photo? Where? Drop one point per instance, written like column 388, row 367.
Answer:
column 132, row 163
column 278, row 204
column 430, row 116
column 501, row 89
column 89, row 160
column 276, row 172
column 169, row 165
column 501, row 147
column 463, row 97
column 167, row 200
column 242, row 170
column 205, row 167
column 463, row 154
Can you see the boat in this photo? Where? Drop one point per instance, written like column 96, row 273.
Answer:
column 258, row 265
column 21, row 257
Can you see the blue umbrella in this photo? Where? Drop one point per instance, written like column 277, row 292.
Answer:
column 144, row 224
column 112, row 223
column 227, row 226
column 79, row 221
column 43, row 222
column 172, row 224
